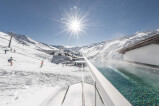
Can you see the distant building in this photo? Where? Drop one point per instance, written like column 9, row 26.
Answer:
column 144, row 52
column 57, row 52
column 60, row 59
column 80, row 62
column 61, row 51
column 67, row 57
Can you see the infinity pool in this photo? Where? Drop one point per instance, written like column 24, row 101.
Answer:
column 139, row 84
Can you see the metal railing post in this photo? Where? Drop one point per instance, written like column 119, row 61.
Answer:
column 82, row 82
column 65, row 95
column 83, row 99
column 95, row 93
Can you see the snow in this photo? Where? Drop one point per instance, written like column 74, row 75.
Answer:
column 25, row 83
column 89, row 93
column 55, row 99
column 74, row 96
column 40, row 94
column 107, row 50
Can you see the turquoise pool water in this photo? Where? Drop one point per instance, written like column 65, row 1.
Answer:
column 140, row 85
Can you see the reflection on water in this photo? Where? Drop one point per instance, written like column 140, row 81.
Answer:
column 139, row 84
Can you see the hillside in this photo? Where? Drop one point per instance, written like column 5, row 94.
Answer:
column 25, row 83
column 107, row 50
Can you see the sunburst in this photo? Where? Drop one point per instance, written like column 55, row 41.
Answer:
column 74, row 22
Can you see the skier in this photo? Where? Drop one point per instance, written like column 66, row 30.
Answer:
column 5, row 51
column 14, row 51
column 10, row 60
column 42, row 62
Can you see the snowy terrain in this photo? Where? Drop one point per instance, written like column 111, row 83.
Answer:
column 107, row 50
column 25, row 83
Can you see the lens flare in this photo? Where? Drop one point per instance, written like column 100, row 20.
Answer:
column 74, row 22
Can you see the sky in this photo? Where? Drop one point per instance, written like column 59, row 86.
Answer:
column 106, row 19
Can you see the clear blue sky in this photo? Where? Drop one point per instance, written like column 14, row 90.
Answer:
column 110, row 19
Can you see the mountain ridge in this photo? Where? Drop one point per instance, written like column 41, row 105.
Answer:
column 107, row 50
column 101, row 51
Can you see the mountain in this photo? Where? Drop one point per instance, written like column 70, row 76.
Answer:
column 102, row 51
column 23, row 39
column 24, row 45
column 75, row 49
column 107, row 50
column 31, row 76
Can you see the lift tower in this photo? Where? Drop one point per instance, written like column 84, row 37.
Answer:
column 11, row 35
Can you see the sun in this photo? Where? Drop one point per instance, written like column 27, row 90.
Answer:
column 75, row 26
column 74, row 22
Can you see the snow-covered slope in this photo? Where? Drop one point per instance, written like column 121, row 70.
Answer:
column 108, row 49
column 25, row 45
column 23, row 39
column 25, row 83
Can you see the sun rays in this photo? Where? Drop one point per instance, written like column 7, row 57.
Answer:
column 74, row 22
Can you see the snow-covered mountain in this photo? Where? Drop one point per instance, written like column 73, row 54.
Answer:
column 108, row 49
column 25, row 45
column 30, row 42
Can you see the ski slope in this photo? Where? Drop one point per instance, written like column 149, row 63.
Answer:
column 25, row 83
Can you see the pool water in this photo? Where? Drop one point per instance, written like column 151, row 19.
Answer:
column 138, row 84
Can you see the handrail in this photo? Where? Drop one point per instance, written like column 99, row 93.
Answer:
column 110, row 95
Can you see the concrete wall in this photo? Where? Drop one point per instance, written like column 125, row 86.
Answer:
column 148, row 54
